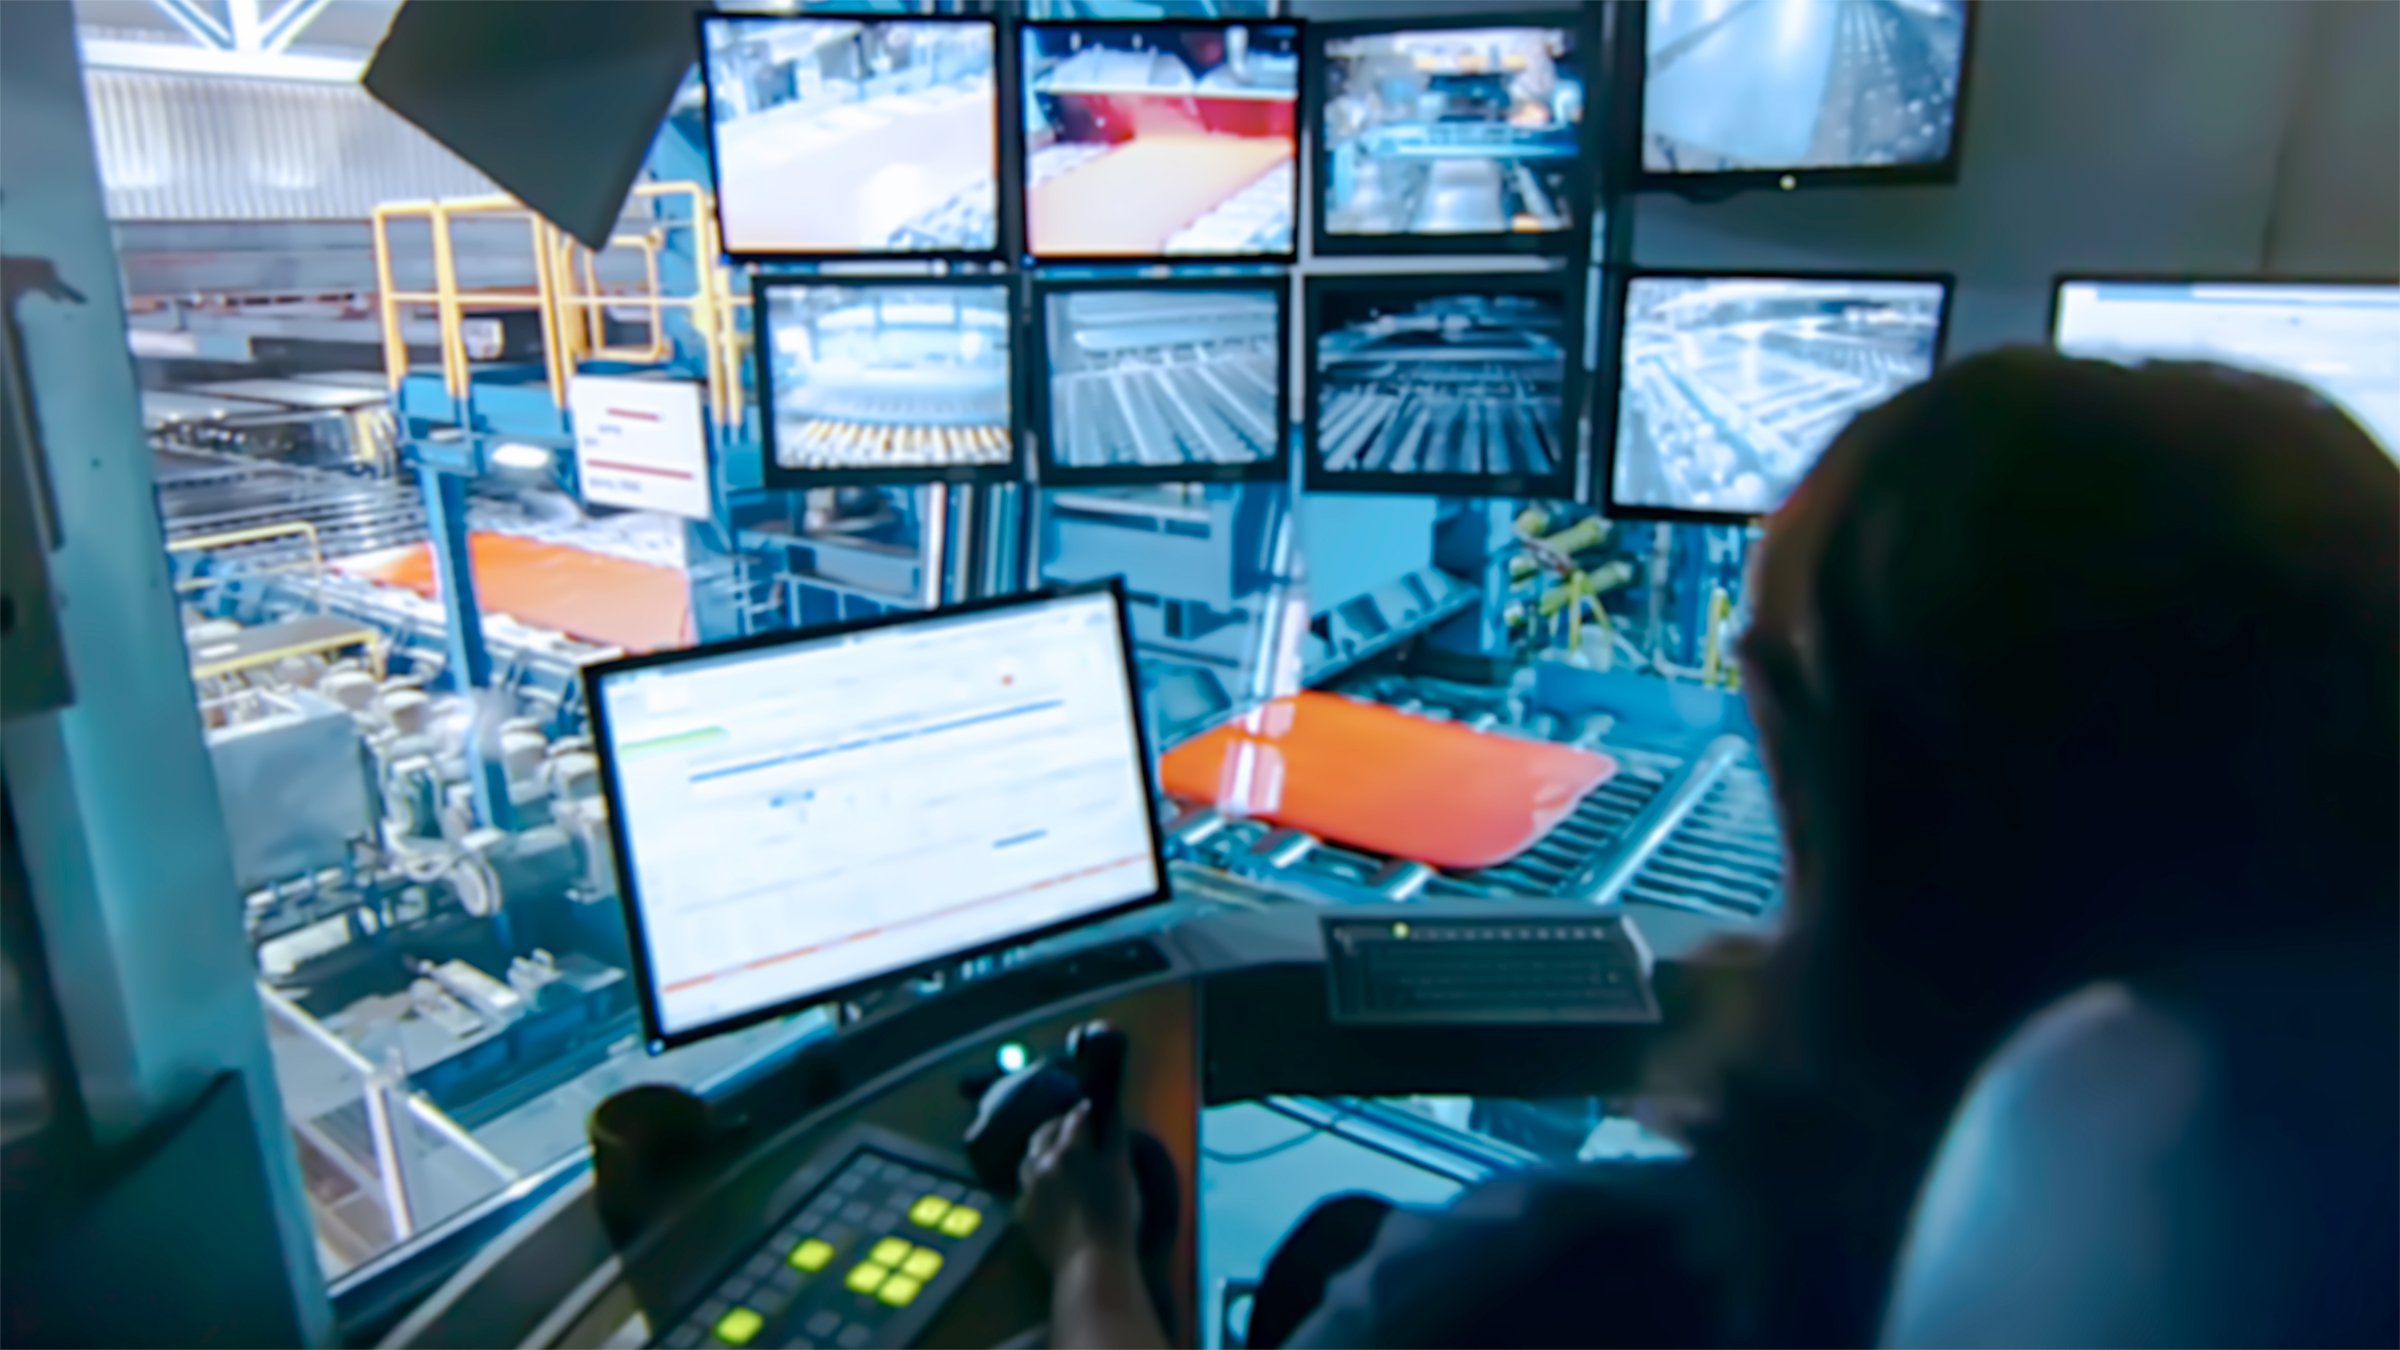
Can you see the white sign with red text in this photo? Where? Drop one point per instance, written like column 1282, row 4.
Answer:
column 641, row 443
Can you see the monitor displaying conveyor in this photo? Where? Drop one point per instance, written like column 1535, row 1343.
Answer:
column 903, row 112
column 796, row 816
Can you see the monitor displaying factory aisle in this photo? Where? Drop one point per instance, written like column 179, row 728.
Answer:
column 1736, row 86
column 1161, row 140
column 1731, row 387
column 1458, row 132
column 1442, row 386
column 1165, row 382
column 886, row 382
column 902, row 117
column 2341, row 339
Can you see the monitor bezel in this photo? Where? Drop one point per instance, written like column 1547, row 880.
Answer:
column 1276, row 468
column 1034, row 257
column 1604, row 491
column 1316, row 72
column 1566, row 285
column 2060, row 282
column 655, row 1034
column 1642, row 178
column 1004, row 208
column 775, row 477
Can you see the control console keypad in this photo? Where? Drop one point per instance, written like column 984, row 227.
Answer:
column 867, row 1259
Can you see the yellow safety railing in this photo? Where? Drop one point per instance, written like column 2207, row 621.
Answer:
column 315, row 563
column 568, row 294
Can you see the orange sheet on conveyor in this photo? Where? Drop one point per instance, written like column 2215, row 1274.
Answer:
column 585, row 595
column 1139, row 195
column 1375, row 778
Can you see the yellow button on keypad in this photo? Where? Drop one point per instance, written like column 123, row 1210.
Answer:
column 738, row 1326
column 889, row 1252
column 866, row 1277
column 928, row 1211
column 899, row 1290
column 961, row 1221
column 812, row 1255
column 922, row 1264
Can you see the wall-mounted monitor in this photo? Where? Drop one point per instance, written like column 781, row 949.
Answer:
column 2340, row 338
column 894, row 380
column 1149, row 141
column 1792, row 92
column 1449, row 135
column 1460, row 386
column 1730, row 386
column 854, row 137
column 1163, row 381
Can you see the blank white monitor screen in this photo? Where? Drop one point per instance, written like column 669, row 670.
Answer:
column 798, row 818
column 2341, row 340
column 1733, row 386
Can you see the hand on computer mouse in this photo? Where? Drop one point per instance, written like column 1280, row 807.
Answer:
column 1077, row 1193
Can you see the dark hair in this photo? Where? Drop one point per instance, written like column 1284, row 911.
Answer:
column 2064, row 670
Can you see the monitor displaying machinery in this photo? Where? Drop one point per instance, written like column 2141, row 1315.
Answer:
column 1156, row 140
column 885, row 381
column 1807, row 88
column 1467, row 136
column 797, row 814
column 1165, row 381
column 2341, row 339
column 1457, row 386
column 1730, row 387
column 854, row 137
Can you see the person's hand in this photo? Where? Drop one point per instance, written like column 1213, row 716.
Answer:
column 1077, row 1195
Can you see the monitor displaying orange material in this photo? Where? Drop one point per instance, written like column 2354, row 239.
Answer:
column 1372, row 777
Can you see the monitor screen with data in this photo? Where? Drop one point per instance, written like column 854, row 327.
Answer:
column 2343, row 340
column 797, row 815
column 854, row 136
column 1730, row 386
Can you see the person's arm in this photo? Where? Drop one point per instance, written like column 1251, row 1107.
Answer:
column 1079, row 1205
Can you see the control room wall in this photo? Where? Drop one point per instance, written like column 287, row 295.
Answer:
column 2107, row 137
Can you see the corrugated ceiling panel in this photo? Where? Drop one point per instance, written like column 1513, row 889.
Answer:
column 190, row 147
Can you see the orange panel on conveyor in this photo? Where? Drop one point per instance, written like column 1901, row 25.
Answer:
column 1375, row 778
column 591, row 596
column 1139, row 195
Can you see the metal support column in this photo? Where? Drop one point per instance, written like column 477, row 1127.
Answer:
column 470, row 663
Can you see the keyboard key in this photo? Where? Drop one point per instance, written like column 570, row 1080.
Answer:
column 928, row 1211
column 866, row 1277
column 922, row 1264
column 962, row 1221
column 812, row 1255
column 738, row 1326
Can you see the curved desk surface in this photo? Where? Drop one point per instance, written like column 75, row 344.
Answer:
column 833, row 1168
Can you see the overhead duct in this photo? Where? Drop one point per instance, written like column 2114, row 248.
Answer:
column 557, row 101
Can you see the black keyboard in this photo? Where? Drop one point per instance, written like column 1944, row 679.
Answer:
column 1505, row 970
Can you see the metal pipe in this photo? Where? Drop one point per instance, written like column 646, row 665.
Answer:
column 1658, row 822
column 389, row 1175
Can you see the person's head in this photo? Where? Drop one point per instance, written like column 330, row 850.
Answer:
column 2061, row 667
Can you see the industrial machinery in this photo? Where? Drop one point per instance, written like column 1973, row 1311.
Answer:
column 407, row 511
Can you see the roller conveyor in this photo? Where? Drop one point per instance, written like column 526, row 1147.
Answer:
column 1436, row 429
column 203, row 494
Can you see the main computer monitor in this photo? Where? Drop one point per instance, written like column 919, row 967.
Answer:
column 800, row 814
column 1802, row 91
column 1152, row 141
column 1454, row 386
column 886, row 381
column 1449, row 135
column 1729, row 386
column 854, row 137
column 2340, row 338
column 1164, row 380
